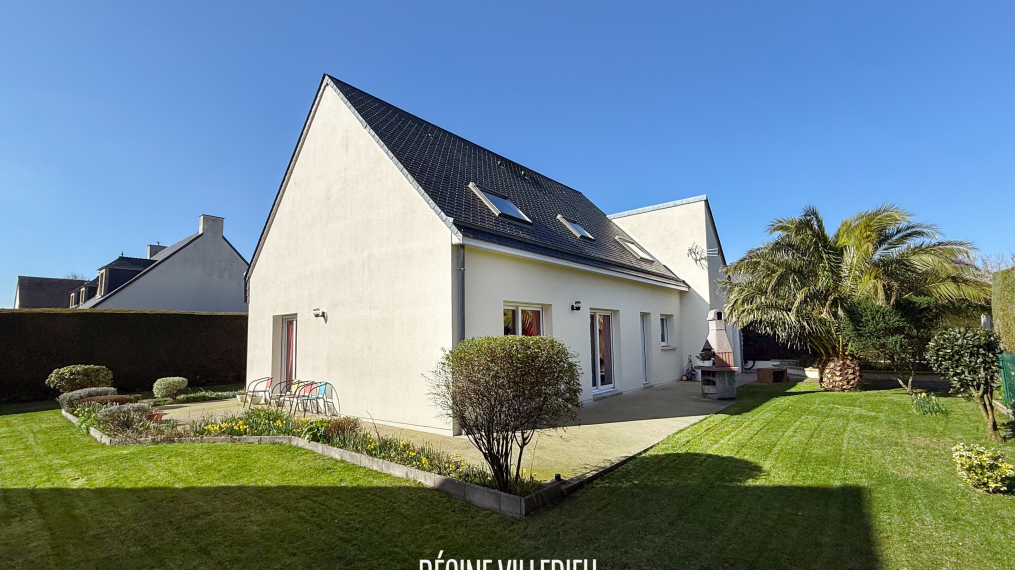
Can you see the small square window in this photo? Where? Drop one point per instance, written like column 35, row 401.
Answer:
column 635, row 249
column 576, row 229
column 499, row 204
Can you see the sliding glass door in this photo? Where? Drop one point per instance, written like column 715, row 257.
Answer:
column 601, row 333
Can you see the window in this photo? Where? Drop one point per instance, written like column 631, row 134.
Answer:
column 499, row 204
column 665, row 329
column 634, row 248
column 527, row 319
column 575, row 228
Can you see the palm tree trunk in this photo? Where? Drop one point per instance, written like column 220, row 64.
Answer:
column 841, row 374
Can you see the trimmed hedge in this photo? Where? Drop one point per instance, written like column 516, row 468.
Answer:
column 137, row 346
column 169, row 387
column 78, row 376
column 1003, row 307
column 69, row 400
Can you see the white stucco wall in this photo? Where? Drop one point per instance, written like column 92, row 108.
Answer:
column 352, row 237
column 668, row 233
column 206, row 275
column 494, row 278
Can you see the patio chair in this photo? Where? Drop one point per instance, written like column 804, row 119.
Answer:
column 318, row 397
column 297, row 390
column 262, row 387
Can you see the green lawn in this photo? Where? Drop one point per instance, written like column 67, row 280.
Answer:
column 783, row 479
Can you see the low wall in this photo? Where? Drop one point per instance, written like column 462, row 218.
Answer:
column 137, row 346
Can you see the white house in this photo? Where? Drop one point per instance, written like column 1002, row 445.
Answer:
column 391, row 239
column 202, row 272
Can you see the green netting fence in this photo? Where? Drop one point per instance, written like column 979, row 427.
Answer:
column 1008, row 378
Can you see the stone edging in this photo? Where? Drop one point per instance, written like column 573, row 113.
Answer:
column 484, row 497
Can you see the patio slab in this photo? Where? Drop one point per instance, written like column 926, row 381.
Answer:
column 607, row 430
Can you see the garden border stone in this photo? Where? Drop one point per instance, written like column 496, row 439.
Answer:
column 492, row 499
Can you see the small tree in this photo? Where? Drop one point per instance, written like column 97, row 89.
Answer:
column 968, row 359
column 896, row 335
column 500, row 390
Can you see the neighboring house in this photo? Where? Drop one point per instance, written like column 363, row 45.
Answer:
column 43, row 292
column 202, row 273
column 392, row 239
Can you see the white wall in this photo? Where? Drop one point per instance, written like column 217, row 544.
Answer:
column 206, row 275
column 493, row 278
column 667, row 233
column 353, row 237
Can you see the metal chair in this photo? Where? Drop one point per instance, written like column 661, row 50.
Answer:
column 261, row 387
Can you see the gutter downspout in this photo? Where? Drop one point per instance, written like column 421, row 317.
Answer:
column 457, row 306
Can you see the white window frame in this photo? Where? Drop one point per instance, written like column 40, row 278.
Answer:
column 666, row 331
column 576, row 228
column 518, row 308
column 482, row 193
column 636, row 249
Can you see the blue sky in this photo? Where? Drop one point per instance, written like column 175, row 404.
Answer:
column 120, row 123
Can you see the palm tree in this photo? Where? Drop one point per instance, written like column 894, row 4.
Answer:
column 799, row 286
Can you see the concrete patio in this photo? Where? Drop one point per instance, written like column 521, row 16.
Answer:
column 607, row 430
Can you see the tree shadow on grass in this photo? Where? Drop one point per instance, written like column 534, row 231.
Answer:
column 659, row 511
column 28, row 407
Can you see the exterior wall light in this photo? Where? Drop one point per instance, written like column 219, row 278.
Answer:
column 320, row 313
column 576, row 306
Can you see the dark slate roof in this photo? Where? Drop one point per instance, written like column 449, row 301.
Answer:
column 132, row 263
column 45, row 292
column 444, row 164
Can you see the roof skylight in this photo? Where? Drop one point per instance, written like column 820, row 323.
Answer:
column 636, row 249
column 499, row 204
column 575, row 228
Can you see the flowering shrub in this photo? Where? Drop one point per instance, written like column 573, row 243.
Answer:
column 70, row 378
column 69, row 400
column 169, row 387
column 984, row 469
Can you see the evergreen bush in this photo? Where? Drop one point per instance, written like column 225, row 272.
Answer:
column 169, row 387
column 70, row 400
column 1003, row 307
column 984, row 469
column 77, row 376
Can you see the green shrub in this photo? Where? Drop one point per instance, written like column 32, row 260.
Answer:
column 202, row 396
column 984, row 469
column 501, row 390
column 69, row 400
column 70, row 378
column 928, row 405
column 1003, row 307
column 967, row 358
column 110, row 400
column 169, row 387
column 124, row 418
column 329, row 430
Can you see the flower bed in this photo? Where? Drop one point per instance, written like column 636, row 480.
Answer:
column 455, row 484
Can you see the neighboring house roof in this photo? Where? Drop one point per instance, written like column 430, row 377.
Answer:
column 131, row 263
column 441, row 165
column 45, row 292
column 145, row 266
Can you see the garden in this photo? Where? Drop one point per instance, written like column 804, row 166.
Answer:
column 833, row 474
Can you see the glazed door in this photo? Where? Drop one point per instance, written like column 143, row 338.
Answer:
column 601, row 333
